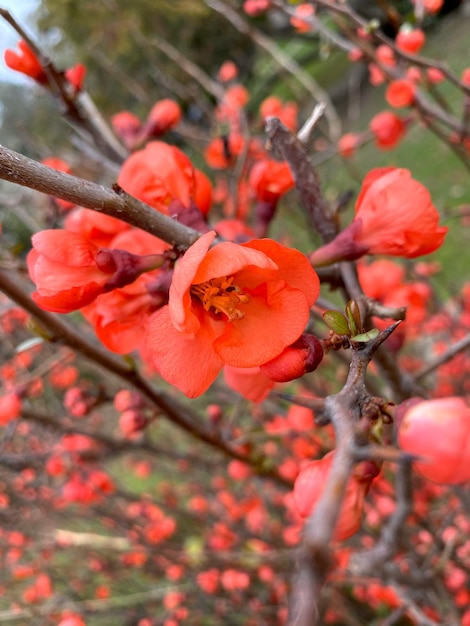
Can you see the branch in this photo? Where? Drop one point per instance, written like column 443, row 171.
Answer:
column 344, row 410
column 368, row 562
column 445, row 357
column 23, row 171
column 306, row 179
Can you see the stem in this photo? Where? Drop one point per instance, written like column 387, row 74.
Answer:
column 26, row 172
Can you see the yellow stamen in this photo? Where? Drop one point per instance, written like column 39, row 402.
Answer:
column 221, row 296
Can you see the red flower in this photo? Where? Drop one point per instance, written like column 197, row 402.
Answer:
column 165, row 114
column 400, row 93
column 249, row 382
column 10, row 408
column 388, row 129
column 26, row 62
column 394, row 215
column 287, row 112
column 128, row 127
column 75, row 76
column 160, row 174
column 439, row 432
column 410, row 40
column 239, row 305
column 302, row 18
column 303, row 356
column 222, row 152
column 348, row 144
column 255, row 7
column 119, row 317
column 70, row 272
column 309, row 487
column 228, row 71
column 96, row 227
column 271, row 179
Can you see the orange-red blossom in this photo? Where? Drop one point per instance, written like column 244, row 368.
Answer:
column 70, row 272
column 239, row 305
column 394, row 215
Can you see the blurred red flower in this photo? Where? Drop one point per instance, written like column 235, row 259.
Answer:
column 25, row 62
column 387, row 129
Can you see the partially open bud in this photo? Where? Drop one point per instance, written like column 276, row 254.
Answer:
column 165, row 115
column 298, row 359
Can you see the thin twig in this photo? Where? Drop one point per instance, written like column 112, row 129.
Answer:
column 445, row 357
column 306, row 179
column 79, row 108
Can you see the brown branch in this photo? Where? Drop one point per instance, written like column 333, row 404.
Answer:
column 113, row 445
column 23, row 171
column 306, row 179
column 369, row 562
column 344, row 410
column 445, row 357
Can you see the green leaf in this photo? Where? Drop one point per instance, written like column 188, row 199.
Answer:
column 337, row 322
column 365, row 337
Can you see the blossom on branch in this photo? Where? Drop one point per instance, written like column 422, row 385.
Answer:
column 70, row 272
column 161, row 174
column 25, row 62
column 394, row 215
column 387, row 129
column 239, row 305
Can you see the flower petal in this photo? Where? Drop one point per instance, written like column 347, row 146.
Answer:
column 227, row 258
column 274, row 318
column 185, row 270
column 294, row 267
column 185, row 361
column 67, row 300
column 65, row 247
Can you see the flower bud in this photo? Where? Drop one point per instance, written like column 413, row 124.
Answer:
column 438, row 431
column 303, row 356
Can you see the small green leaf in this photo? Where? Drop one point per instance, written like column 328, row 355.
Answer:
column 365, row 337
column 337, row 322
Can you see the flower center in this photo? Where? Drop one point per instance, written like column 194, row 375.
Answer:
column 221, row 296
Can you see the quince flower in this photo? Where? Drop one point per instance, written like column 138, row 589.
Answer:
column 239, row 305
